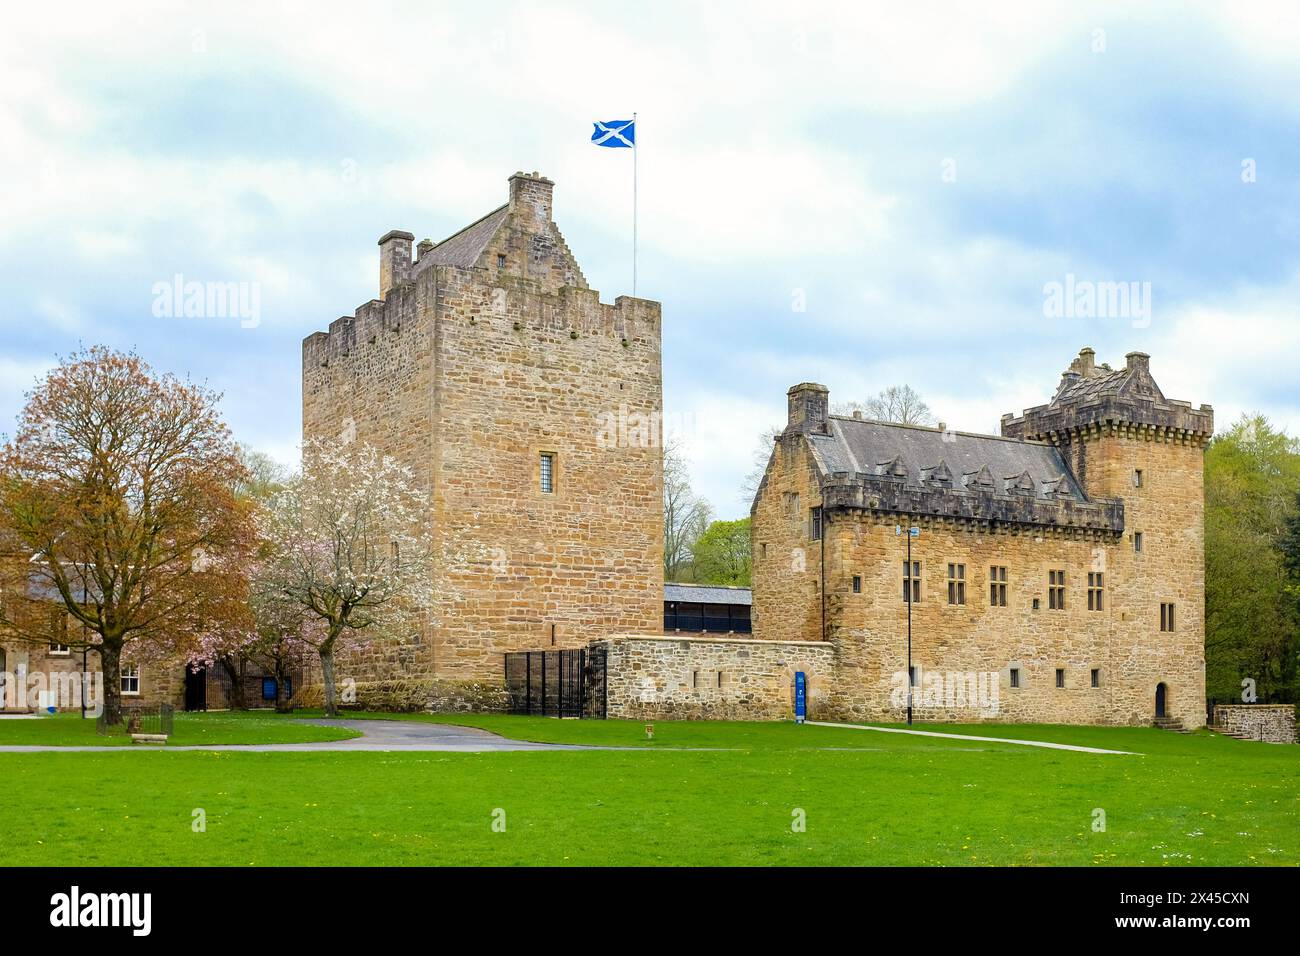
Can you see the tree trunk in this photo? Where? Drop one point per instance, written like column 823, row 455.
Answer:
column 327, row 676
column 281, row 697
column 236, row 701
column 110, row 655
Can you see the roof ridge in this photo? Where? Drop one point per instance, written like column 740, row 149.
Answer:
column 941, row 431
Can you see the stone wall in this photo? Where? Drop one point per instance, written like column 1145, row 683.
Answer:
column 1274, row 723
column 713, row 678
column 416, row 696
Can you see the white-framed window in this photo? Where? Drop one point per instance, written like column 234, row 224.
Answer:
column 130, row 680
column 59, row 650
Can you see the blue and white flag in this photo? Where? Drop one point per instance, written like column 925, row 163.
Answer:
column 619, row 134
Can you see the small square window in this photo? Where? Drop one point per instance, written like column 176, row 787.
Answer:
column 1015, row 677
column 547, row 472
column 1060, row 677
column 857, row 584
column 59, row 650
column 130, row 680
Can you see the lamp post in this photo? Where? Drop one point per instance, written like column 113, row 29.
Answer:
column 912, row 532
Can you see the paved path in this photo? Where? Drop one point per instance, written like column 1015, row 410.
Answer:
column 378, row 735
column 989, row 740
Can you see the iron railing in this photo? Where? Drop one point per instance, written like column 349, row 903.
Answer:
column 559, row 683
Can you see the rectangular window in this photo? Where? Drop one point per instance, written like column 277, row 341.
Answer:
column 1096, row 677
column 60, row 650
column 857, row 584
column 956, row 583
column 130, row 680
column 501, row 260
column 1015, row 677
column 1137, row 540
column 1166, row 617
column 912, row 582
column 1060, row 677
column 997, row 586
column 1056, row 590
column 719, row 678
column 547, row 472
column 815, row 524
column 1137, row 478
column 1095, row 591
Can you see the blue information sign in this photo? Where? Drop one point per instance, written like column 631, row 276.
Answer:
column 800, row 697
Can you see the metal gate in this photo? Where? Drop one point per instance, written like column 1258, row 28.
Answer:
column 557, row 683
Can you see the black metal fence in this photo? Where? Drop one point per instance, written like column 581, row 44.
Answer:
column 142, row 720
column 557, row 683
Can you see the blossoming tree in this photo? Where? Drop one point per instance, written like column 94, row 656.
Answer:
column 347, row 552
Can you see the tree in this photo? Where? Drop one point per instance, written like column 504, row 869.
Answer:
column 346, row 546
column 686, row 515
column 897, row 403
column 118, row 489
column 1252, row 477
column 722, row 555
column 232, row 648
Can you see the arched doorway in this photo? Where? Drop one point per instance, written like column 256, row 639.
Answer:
column 1162, row 694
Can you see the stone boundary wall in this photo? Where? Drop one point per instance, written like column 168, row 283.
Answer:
column 1273, row 723
column 415, row 696
column 715, row 678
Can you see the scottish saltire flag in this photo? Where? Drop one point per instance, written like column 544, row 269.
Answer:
column 620, row 134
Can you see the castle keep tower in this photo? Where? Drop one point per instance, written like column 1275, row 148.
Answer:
column 490, row 368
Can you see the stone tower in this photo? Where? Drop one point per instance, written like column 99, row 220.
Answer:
column 1125, row 441
column 492, row 369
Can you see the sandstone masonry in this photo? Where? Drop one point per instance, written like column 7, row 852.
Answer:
column 485, row 361
column 1065, row 556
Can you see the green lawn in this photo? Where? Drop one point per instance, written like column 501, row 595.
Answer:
column 876, row 799
column 258, row 727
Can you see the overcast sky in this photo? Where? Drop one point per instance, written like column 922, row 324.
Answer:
column 859, row 194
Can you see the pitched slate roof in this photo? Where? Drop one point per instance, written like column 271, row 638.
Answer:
column 708, row 594
column 929, row 458
column 464, row 248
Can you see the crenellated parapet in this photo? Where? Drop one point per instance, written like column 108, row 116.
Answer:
column 978, row 509
column 1094, row 401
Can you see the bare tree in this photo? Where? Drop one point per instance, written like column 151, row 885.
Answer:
column 897, row 403
column 686, row 515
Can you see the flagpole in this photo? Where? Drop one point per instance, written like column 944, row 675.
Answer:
column 635, row 149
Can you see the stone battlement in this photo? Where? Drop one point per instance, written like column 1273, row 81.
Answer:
column 576, row 311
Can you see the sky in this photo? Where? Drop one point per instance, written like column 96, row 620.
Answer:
column 857, row 194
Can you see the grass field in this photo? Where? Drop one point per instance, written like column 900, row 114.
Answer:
column 191, row 730
column 867, row 798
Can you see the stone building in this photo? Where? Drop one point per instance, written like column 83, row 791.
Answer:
column 1057, row 568
column 530, row 410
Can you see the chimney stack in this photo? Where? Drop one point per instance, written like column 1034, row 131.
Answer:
column 808, row 404
column 1137, row 360
column 530, row 201
column 394, row 259
column 1086, row 362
